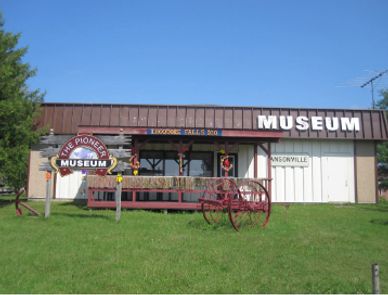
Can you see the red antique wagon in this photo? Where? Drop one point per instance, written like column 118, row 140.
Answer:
column 246, row 201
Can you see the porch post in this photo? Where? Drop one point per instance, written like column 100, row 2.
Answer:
column 255, row 161
column 135, row 152
column 269, row 170
column 181, row 149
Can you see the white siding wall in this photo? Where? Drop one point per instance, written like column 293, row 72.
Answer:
column 70, row 186
column 245, row 161
column 329, row 177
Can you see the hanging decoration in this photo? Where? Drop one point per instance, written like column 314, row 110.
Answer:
column 135, row 164
column 226, row 163
column 119, row 178
column 47, row 175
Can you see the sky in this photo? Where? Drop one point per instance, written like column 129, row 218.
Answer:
column 298, row 53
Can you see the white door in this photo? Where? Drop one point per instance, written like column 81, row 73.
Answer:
column 336, row 186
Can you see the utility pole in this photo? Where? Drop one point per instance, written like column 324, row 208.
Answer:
column 370, row 81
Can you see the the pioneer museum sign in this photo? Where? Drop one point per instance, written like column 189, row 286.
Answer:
column 83, row 152
column 315, row 123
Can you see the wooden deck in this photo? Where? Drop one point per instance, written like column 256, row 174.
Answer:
column 133, row 186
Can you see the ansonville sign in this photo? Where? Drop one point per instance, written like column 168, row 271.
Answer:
column 302, row 123
column 290, row 160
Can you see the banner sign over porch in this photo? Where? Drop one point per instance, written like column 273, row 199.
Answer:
column 83, row 152
column 185, row 131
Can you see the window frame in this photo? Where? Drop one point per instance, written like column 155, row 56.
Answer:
column 187, row 158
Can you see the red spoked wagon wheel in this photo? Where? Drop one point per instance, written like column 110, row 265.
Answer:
column 215, row 199
column 259, row 201
column 212, row 212
column 239, row 212
column 253, row 203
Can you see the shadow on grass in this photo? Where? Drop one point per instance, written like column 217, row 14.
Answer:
column 85, row 216
column 80, row 204
column 379, row 221
column 377, row 208
column 201, row 224
column 4, row 203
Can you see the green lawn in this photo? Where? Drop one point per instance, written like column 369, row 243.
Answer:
column 304, row 249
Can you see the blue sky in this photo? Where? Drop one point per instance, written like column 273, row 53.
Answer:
column 247, row 52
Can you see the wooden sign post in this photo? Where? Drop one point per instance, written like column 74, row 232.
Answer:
column 84, row 152
column 47, row 207
column 119, row 189
column 375, row 279
column 119, row 186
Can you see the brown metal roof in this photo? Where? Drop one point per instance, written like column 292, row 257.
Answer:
column 67, row 118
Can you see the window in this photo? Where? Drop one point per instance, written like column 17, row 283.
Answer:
column 151, row 163
column 162, row 163
column 166, row 163
column 201, row 164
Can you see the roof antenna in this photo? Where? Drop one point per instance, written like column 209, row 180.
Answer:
column 370, row 81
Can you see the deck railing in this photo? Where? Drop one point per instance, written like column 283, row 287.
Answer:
column 154, row 192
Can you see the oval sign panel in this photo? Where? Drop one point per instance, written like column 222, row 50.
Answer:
column 83, row 152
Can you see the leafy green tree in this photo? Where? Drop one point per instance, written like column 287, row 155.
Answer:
column 19, row 108
column 382, row 149
column 383, row 103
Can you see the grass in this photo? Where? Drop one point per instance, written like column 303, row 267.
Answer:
column 304, row 249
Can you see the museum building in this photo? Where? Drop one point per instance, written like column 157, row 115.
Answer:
column 305, row 155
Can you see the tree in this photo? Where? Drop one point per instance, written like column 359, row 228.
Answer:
column 383, row 103
column 19, row 108
column 382, row 148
